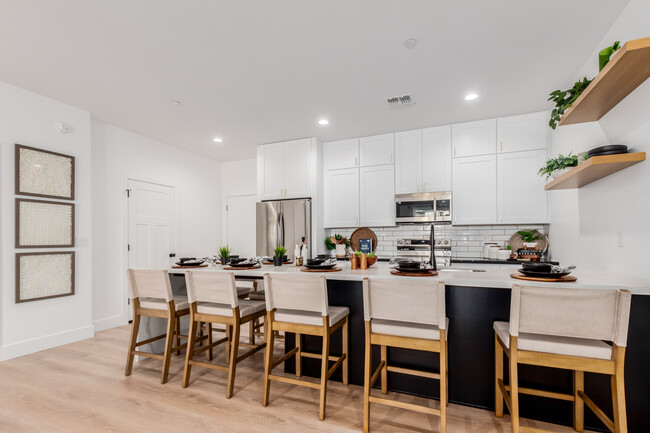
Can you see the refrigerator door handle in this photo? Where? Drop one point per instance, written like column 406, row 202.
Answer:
column 282, row 229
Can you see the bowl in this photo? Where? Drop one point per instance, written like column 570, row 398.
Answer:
column 314, row 262
column 409, row 264
column 536, row 266
column 235, row 260
column 371, row 260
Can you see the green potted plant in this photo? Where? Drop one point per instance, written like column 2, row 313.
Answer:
column 564, row 98
column 278, row 255
column 338, row 243
column 529, row 237
column 556, row 167
column 224, row 255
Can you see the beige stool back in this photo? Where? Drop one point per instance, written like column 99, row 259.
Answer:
column 214, row 287
column 149, row 283
column 296, row 292
column 415, row 301
column 569, row 312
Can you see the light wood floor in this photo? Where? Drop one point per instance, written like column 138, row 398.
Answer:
column 81, row 387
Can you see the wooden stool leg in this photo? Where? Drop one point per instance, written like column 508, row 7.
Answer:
column 178, row 335
column 169, row 340
column 251, row 332
column 345, row 350
column 229, row 342
column 135, row 327
column 443, row 382
column 191, row 339
column 324, row 369
column 578, row 404
column 208, row 354
column 447, row 370
column 299, row 355
column 366, row 381
column 268, row 358
column 498, row 375
column 618, row 390
column 514, row 386
column 384, row 371
column 233, row 359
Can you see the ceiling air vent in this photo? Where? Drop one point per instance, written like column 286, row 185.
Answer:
column 400, row 101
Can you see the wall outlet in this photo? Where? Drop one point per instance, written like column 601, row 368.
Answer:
column 81, row 242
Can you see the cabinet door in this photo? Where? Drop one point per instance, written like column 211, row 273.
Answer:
column 376, row 150
column 377, row 204
column 474, row 138
column 270, row 171
column 408, row 162
column 524, row 132
column 522, row 198
column 342, row 198
column 298, row 168
column 341, row 154
column 436, row 159
column 475, row 190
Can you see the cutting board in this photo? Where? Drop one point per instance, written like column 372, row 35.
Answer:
column 232, row 268
column 334, row 269
column 564, row 279
column 414, row 274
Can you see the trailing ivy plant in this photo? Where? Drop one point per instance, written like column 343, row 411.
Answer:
column 564, row 98
column 557, row 164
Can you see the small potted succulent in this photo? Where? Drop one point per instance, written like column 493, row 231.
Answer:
column 224, row 255
column 338, row 243
column 529, row 238
column 278, row 255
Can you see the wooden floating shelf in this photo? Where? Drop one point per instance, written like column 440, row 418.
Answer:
column 627, row 70
column 593, row 169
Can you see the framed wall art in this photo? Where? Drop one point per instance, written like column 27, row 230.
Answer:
column 42, row 173
column 44, row 224
column 44, row 275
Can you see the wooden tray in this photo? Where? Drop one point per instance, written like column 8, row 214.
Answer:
column 414, row 274
column 231, row 268
column 362, row 233
column 334, row 269
column 204, row 265
column 564, row 279
column 290, row 262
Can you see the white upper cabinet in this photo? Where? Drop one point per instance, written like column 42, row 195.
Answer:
column 286, row 169
column 408, row 162
column 342, row 197
column 523, row 132
column 376, row 150
column 270, row 171
column 474, row 138
column 436, row 159
column 474, row 196
column 341, row 154
column 522, row 198
column 377, row 197
column 298, row 168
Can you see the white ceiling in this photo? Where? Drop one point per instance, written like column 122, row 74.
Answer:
column 260, row 71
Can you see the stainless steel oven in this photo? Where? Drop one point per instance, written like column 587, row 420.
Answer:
column 423, row 208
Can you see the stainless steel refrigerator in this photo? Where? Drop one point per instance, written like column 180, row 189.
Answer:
column 283, row 222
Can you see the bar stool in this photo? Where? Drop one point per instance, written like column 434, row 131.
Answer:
column 151, row 296
column 213, row 299
column 411, row 316
column 299, row 304
column 564, row 328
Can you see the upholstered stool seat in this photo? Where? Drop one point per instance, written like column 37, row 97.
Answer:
column 311, row 317
column 180, row 303
column 245, row 308
column 408, row 329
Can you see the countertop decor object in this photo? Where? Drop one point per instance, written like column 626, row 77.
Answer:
column 362, row 233
column 204, row 265
column 428, row 273
column 565, row 279
column 517, row 242
column 338, row 243
column 242, row 268
column 334, row 269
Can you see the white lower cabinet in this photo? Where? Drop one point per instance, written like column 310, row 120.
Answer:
column 474, row 197
column 342, row 197
column 522, row 198
column 377, row 198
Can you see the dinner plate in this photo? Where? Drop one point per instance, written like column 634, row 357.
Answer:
column 330, row 266
column 245, row 264
column 619, row 148
column 538, row 274
column 413, row 270
column 193, row 263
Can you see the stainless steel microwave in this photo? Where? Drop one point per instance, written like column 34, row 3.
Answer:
column 423, row 208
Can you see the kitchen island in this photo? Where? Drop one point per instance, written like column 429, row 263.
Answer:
column 474, row 300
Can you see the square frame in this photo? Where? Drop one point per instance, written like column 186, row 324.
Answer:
column 53, row 161
column 19, row 222
column 72, row 255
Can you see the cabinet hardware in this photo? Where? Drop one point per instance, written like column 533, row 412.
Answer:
column 424, row 186
column 281, row 193
column 285, row 192
column 418, row 186
column 501, row 146
column 356, row 221
column 454, row 150
column 501, row 217
column 355, row 161
column 391, row 157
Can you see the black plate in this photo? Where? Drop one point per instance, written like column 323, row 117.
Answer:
column 413, row 270
column 543, row 274
column 320, row 266
column 242, row 265
column 197, row 263
column 619, row 148
column 612, row 152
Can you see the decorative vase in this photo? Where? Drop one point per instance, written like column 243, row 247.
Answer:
column 354, row 261
column 363, row 261
column 224, row 260
column 277, row 261
column 340, row 250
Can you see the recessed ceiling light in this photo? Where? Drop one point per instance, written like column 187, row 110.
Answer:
column 323, row 122
column 217, row 140
column 410, row 43
column 471, row 96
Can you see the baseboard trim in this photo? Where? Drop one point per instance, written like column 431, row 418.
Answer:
column 27, row 347
column 110, row 322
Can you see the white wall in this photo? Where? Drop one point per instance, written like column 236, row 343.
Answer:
column 119, row 155
column 237, row 178
column 605, row 225
column 29, row 119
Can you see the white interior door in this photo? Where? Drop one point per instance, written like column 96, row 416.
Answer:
column 241, row 225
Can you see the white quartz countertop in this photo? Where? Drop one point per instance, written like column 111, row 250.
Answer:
column 494, row 276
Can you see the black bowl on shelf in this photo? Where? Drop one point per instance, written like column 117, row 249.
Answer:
column 536, row 267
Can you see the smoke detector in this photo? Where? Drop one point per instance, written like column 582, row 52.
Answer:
column 400, row 101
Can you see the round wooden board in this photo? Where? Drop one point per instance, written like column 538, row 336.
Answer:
column 290, row 262
column 565, row 279
column 516, row 242
column 231, row 268
column 362, row 233
column 190, row 267
column 414, row 274
column 334, row 269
